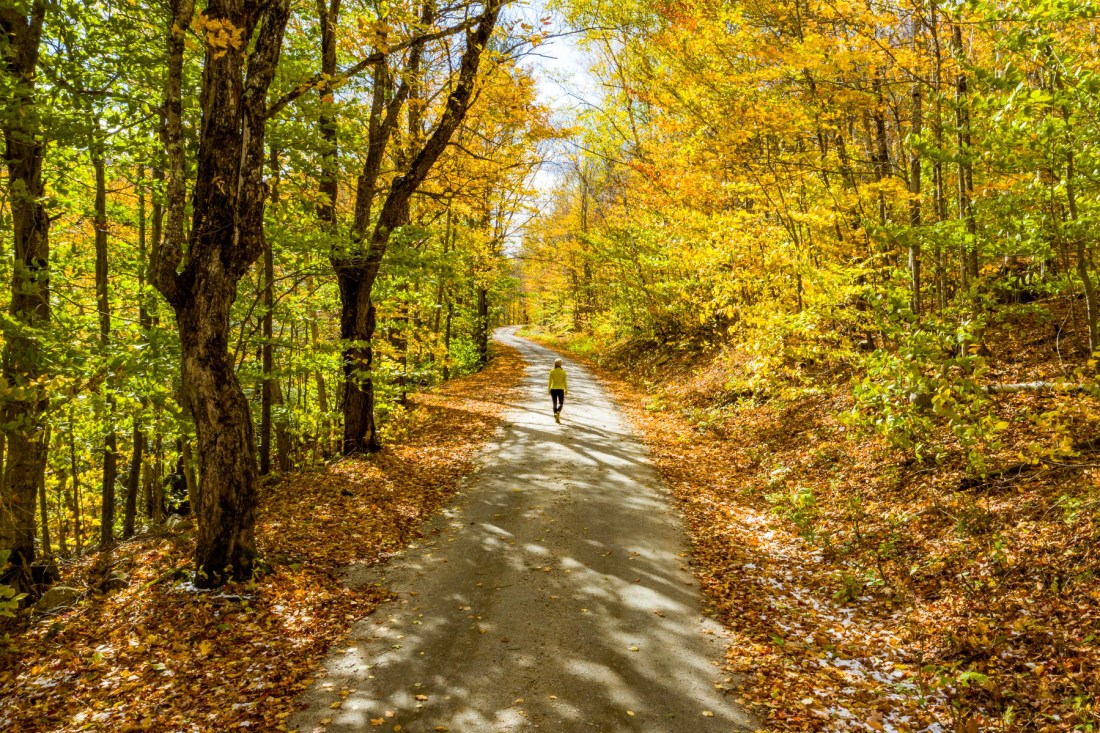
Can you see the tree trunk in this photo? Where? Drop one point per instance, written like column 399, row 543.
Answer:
column 482, row 326
column 937, row 163
column 226, row 238
column 47, row 545
column 153, row 482
column 103, row 303
column 62, row 502
column 74, row 465
column 447, row 341
column 329, row 184
column 223, row 426
column 24, row 419
column 1081, row 255
column 267, row 355
column 357, row 314
column 357, row 274
column 357, row 321
column 966, row 169
column 284, row 446
column 915, row 184
column 133, row 478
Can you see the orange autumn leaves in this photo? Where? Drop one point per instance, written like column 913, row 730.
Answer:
column 862, row 594
column 157, row 656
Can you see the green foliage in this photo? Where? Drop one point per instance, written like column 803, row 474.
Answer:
column 9, row 596
column 933, row 376
column 800, row 507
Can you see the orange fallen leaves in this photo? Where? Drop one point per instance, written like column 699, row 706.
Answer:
column 156, row 656
column 893, row 601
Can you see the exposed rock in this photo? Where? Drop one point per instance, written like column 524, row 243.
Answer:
column 176, row 523
column 921, row 400
column 60, row 596
column 117, row 580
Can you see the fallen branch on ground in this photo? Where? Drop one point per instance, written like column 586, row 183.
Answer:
column 1061, row 387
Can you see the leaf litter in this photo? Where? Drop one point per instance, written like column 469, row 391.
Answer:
column 159, row 656
column 889, row 600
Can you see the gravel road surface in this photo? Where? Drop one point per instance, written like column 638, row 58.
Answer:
column 553, row 595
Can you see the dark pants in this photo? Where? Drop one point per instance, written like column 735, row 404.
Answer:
column 558, row 396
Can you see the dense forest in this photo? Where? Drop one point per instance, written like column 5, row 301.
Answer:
column 857, row 186
column 273, row 214
column 844, row 254
column 837, row 261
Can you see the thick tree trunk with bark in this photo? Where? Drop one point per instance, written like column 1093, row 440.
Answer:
column 357, row 322
column 23, row 419
column 226, row 238
column 223, row 426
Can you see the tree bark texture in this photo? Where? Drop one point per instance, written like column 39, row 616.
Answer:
column 225, row 240
column 23, row 415
column 328, row 12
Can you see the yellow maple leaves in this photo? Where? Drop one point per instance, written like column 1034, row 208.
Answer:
column 221, row 34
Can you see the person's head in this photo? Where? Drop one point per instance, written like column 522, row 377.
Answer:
column 557, row 362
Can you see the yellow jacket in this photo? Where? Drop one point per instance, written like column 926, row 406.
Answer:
column 557, row 379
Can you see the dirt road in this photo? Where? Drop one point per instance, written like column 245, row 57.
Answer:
column 554, row 595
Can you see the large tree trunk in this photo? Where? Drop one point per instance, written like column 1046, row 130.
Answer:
column 24, row 419
column 223, row 425
column 357, row 314
column 226, row 239
column 357, row 321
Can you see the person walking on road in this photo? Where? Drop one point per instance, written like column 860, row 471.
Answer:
column 558, row 388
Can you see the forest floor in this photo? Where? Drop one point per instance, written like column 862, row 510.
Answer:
column 865, row 591
column 158, row 656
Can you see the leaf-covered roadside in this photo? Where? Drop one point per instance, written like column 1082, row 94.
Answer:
column 865, row 592
column 158, row 656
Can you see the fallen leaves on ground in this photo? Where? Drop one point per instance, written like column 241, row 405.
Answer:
column 866, row 592
column 158, row 656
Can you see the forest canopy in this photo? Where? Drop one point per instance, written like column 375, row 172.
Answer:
column 226, row 214
column 861, row 191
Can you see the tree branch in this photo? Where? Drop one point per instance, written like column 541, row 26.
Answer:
column 325, row 83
